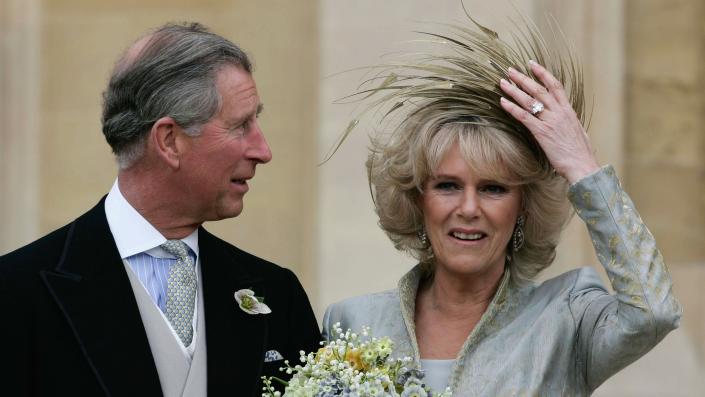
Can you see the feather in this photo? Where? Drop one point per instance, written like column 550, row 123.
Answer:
column 340, row 141
column 460, row 79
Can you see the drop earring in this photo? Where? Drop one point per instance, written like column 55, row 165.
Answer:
column 518, row 235
column 423, row 238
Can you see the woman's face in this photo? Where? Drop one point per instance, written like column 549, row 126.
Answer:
column 469, row 220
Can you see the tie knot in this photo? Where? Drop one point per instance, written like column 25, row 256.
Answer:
column 177, row 248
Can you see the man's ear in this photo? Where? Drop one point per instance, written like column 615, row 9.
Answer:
column 163, row 138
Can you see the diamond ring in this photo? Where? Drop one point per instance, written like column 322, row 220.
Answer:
column 536, row 108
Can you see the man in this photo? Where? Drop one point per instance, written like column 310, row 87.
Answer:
column 135, row 298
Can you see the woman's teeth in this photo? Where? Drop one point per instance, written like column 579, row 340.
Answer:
column 468, row 236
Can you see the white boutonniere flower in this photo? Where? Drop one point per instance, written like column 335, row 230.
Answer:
column 251, row 304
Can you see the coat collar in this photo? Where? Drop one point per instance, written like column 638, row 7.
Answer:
column 408, row 287
column 92, row 290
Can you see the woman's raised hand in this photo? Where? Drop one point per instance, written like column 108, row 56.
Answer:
column 547, row 113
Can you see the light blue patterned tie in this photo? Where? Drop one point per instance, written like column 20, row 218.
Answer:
column 181, row 291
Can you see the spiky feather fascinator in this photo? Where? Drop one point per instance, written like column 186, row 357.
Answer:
column 459, row 81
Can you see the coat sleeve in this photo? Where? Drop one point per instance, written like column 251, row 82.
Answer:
column 14, row 370
column 329, row 320
column 616, row 329
column 301, row 320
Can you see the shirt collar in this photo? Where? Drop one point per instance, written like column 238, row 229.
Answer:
column 132, row 233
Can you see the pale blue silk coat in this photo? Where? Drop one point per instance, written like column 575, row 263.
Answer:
column 562, row 337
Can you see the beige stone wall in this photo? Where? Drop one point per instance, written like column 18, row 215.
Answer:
column 19, row 122
column 665, row 139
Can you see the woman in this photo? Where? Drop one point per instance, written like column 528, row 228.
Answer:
column 475, row 182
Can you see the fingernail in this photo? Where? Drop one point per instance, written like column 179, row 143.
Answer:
column 511, row 69
column 502, row 81
column 502, row 99
column 532, row 62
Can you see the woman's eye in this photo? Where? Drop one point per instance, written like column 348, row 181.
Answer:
column 494, row 189
column 446, row 185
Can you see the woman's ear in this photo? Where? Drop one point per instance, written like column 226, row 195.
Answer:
column 522, row 200
column 163, row 138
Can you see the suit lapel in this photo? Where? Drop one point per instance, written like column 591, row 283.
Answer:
column 92, row 290
column 235, row 340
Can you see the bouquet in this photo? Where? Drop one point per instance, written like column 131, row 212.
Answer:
column 352, row 365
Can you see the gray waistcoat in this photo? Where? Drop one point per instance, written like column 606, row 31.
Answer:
column 178, row 375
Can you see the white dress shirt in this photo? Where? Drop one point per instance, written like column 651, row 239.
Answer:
column 138, row 243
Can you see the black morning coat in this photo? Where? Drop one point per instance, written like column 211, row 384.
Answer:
column 70, row 325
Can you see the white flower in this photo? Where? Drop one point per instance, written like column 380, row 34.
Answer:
column 249, row 303
column 414, row 391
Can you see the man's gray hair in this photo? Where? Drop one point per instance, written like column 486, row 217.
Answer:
column 170, row 72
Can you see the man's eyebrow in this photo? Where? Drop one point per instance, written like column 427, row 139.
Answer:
column 237, row 121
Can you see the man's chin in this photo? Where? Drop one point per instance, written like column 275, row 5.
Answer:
column 229, row 212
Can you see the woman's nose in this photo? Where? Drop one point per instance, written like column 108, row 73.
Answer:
column 469, row 205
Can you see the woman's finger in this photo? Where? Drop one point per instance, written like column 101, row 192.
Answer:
column 531, row 87
column 522, row 115
column 550, row 82
column 523, row 99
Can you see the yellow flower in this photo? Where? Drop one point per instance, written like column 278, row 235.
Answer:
column 353, row 357
column 324, row 354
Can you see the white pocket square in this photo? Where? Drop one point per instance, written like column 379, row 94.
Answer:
column 272, row 355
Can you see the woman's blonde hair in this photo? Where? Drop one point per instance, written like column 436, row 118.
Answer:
column 400, row 165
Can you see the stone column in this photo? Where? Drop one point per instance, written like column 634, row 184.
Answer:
column 19, row 118
column 665, row 145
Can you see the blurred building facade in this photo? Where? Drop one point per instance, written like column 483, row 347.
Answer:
column 644, row 64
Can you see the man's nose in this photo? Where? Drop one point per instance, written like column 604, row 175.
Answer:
column 259, row 149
